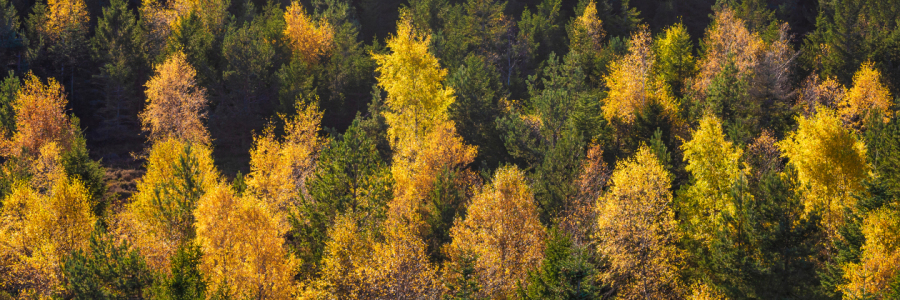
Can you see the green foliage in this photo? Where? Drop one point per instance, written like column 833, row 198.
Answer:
column 565, row 273
column 186, row 282
column 190, row 36
column 849, row 33
column 116, row 46
column 464, row 285
column 728, row 98
column 674, row 56
column 8, row 89
column 107, row 270
column 77, row 164
column 350, row 178
column 477, row 85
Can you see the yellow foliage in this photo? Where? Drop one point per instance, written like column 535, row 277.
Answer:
column 714, row 164
column 40, row 118
column 828, row 93
column 243, row 247
column 161, row 214
column 868, row 95
column 830, row 162
column 415, row 171
column 176, row 106
column 705, row 292
column 503, row 231
column 631, row 84
column 279, row 167
column 637, row 230
column 39, row 228
column 417, row 100
column 65, row 16
column 310, row 41
column 880, row 261
column 356, row 265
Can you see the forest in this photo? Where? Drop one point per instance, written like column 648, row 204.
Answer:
column 450, row 149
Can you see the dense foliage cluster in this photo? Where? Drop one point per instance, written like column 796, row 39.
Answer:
column 450, row 149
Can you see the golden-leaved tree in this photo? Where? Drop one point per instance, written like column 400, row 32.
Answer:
column 176, row 106
column 40, row 118
column 637, row 232
column 243, row 246
column 279, row 167
column 714, row 164
column 307, row 39
column 41, row 222
column 420, row 133
column 831, row 165
column 502, row 230
column 161, row 215
column 879, row 263
column 632, row 85
column 867, row 96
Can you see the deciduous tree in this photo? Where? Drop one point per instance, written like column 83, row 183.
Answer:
column 308, row 40
column 40, row 118
column 243, row 246
column 830, row 162
column 867, row 97
column 161, row 216
column 502, row 230
column 176, row 106
column 637, row 231
column 632, row 85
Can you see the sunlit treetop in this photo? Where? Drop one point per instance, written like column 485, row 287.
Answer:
column 307, row 39
column 40, row 118
column 176, row 105
column 413, row 79
column 868, row 95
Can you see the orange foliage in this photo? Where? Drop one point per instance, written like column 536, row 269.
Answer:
column 175, row 104
column 310, row 41
column 40, row 118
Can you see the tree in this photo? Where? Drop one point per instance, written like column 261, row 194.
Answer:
column 176, row 106
column 831, row 165
column 106, row 270
column 867, row 97
column 715, row 167
column 116, row 45
column 674, row 56
column 637, row 231
column 423, row 139
column 44, row 220
column 565, row 273
column 877, row 268
column 308, row 40
column 40, row 118
column 279, row 168
column 9, row 88
column 67, row 31
column 243, row 246
column 727, row 38
column 502, row 230
column 161, row 215
column 350, row 180
column 184, row 280
column 632, row 85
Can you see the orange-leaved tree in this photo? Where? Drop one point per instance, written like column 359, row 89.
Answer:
column 176, row 106
column 40, row 118
column 307, row 39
